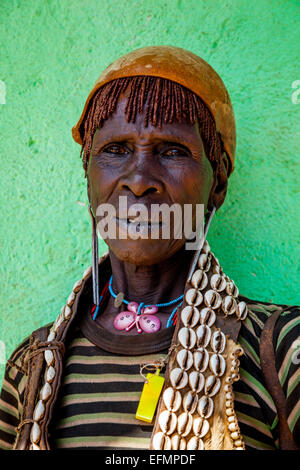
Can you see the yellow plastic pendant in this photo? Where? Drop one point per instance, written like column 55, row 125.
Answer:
column 150, row 396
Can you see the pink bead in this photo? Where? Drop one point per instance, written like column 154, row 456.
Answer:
column 123, row 320
column 149, row 324
column 133, row 307
column 150, row 310
column 146, row 321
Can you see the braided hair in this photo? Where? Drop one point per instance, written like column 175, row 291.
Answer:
column 165, row 101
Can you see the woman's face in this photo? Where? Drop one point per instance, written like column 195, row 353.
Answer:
column 148, row 165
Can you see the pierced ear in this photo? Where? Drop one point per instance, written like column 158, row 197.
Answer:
column 219, row 188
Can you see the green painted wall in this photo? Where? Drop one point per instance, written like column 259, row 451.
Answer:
column 51, row 54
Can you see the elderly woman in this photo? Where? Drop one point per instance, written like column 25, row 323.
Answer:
column 153, row 326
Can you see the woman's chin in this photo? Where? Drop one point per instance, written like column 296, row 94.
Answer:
column 143, row 252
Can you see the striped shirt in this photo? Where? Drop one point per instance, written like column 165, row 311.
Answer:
column 100, row 390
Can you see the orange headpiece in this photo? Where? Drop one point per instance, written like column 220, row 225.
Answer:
column 180, row 66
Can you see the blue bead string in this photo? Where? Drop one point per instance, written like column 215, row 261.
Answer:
column 96, row 311
column 143, row 305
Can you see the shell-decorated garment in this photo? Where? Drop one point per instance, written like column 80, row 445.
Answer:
column 214, row 395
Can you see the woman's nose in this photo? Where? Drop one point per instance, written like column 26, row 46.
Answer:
column 140, row 179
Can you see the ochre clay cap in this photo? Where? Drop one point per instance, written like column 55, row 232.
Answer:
column 180, row 66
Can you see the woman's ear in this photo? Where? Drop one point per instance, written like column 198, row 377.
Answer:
column 219, row 187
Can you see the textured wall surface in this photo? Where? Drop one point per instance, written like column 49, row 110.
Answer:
column 51, row 54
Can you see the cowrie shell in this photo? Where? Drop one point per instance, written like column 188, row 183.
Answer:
column 232, row 427
column 216, row 265
column 34, row 447
column 229, row 305
column 184, row 423
column 187, row 338
column 235, row 363
column 239, row 351
column 172, row 399
column 51, row 336
column 50, row 374
column 204, row 261
column 231, row 289
column 58, row 322
column 39, row 411
column 217, row 364
column 207, row 316
column 77, row 286
column 195, row 443
column 199, row 279
column 193, row 297
column 67, row 312
column 200, row 427
column 196, row 381
column 206, row 247
column 167, row 421
column 45, row 392
column 201, row 359
column 205, row 407
column 235, row 377
column 190, row 402
column 218, row 341
column 203, row 335
column 241, row 310
column 35, row 433
column 71, row 299
column 212, row 385
column 48, row 354
column 212, row 299
column 190, row 316
column 178, row 442
column 238, row 443
column 161, row 441
column 218, row 282
column 216, row 269
column 185, row 359
column 87, row 273
column 178, row 378
column 229, row 396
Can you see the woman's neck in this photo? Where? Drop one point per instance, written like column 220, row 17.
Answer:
column 152, row 284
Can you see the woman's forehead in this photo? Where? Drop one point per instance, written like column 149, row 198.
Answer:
column 117, row 127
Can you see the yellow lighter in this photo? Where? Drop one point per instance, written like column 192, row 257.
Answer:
column 150, row 396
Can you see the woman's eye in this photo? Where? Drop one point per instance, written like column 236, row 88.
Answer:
column 174, row 152
column 115, row 149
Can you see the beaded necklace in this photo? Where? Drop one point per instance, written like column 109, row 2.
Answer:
column 139, row 315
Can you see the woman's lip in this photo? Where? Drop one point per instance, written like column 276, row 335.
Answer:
column 137, row 221
column 139, row 230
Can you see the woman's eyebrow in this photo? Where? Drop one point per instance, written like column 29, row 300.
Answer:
column 104, row 139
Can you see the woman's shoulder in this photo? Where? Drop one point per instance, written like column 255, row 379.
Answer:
column 259, row 312
column 285, row 334
column 17, row 360
column 285, row 339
